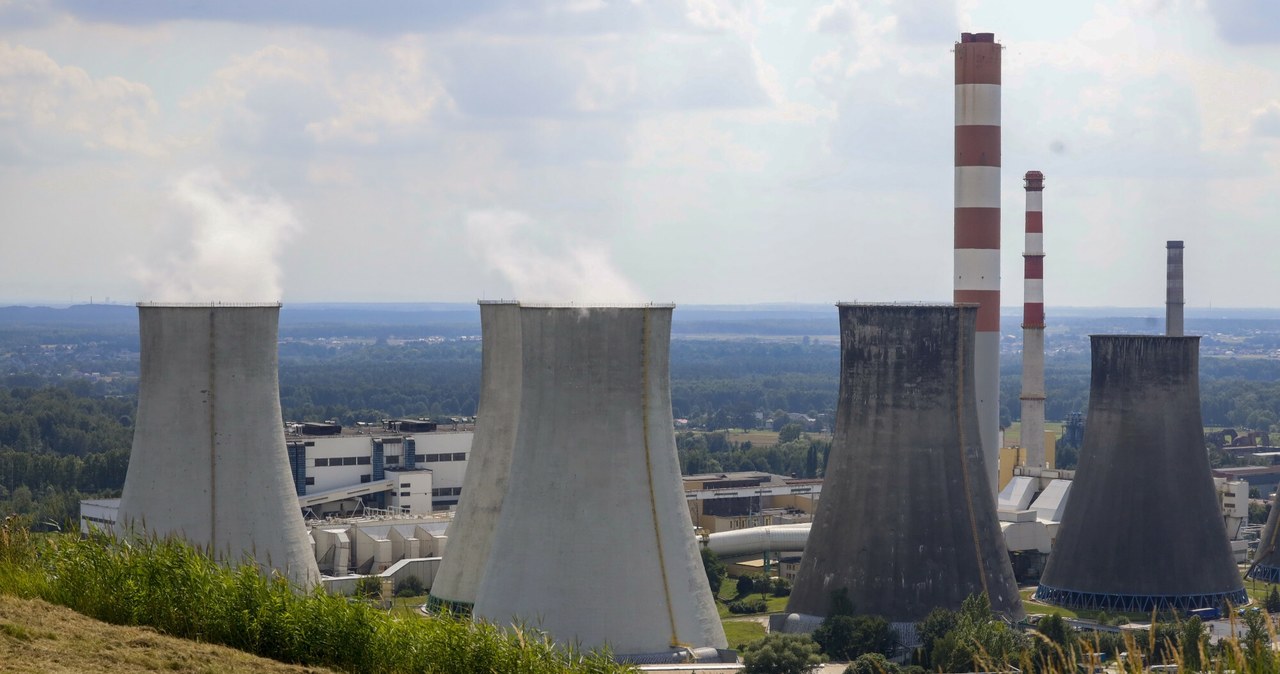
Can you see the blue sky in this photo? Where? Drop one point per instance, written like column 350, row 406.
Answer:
column 693, row 151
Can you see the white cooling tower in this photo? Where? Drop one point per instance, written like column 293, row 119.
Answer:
column 594, row 543
column 209, row 462
column 485, row 485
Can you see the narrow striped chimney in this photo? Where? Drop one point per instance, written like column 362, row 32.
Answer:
column 1033, row 324
column 1173, row 290
column 977, row 222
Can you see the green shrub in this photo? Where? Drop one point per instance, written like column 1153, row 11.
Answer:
column 756, row 605
column 872, row 663
column 410, row 587
column 845, row 637
column 782, row 654
column 745, row 585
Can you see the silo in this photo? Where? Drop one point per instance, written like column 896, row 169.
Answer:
column 594, row 543
column 906, row 523
column 209, row 461
column 485, row 485
column 1143, row 529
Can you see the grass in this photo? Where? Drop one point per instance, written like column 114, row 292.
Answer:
column 181, row 592
column 742, row 632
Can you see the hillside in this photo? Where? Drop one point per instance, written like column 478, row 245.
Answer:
column 36, row 636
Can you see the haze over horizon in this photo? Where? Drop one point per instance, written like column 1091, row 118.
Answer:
column 695, row 151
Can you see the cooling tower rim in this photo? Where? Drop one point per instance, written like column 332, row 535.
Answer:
column 571, row 305
column 1156, row 337
column 909, row 305
column 498, row 302
column 209, row 305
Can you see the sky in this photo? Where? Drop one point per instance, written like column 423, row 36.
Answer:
column 688, row 151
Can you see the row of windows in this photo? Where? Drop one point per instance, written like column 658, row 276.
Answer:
column 404, row 493
column 390, row 460
column 447, row 491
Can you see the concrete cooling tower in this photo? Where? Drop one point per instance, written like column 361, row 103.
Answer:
column 594, row 543
column 906, row 523
column 209, row 462
column 1143, row 529
column 485, row 485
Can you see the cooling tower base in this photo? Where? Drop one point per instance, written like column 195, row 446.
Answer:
column 437, row 605
column 1138, row 603
column 1265, row 573
column 678, row 656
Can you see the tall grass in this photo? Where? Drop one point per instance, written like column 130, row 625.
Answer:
column 180, row 591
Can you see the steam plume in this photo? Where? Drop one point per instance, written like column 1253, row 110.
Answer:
column 507, row 242
column 230, row 253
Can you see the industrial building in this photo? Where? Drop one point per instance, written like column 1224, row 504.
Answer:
column 1164, row 538
column 209, row 462
column 599, row 494
column 906, row 523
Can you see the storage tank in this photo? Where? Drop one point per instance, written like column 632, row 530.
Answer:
column 594, row 543
column 209, row 461
column 906, row 523
column 1143, row 529
column 485, row 484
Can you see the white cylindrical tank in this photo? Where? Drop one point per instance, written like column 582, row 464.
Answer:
column 485, row 484
column 594, row 543
column 209, row 462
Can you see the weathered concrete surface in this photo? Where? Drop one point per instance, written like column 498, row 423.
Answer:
column 485, row 485
column 594, row 542
column 208, row 460
column 906, row 522
column 1143, row 518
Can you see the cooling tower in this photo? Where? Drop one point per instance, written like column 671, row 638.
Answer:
column 594, row 543
column 1143, row 529
column 485, row 485
column 906, row 523
column 209, row 462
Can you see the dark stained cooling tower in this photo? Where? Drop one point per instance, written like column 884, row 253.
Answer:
column 1143, row 529
column 471, row 534
column 906, row 523
column 594, row 544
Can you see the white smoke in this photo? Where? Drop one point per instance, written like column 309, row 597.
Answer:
column 575, row 271
column 230, row 252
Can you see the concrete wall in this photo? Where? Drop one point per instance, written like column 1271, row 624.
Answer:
column 209, row 460
column 486, row 482
column 906, row 523
column 594, row 543
column 1160, row 535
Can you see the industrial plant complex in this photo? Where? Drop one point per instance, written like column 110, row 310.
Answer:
column 569, row 474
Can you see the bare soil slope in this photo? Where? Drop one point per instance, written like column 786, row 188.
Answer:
column 36, row 636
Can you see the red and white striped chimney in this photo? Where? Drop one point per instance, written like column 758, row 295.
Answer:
column 977, row 222
column 1033, row 325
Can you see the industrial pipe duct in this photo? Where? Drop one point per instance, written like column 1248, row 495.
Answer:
column 209, row 462
column 485, row 484
column 596, row 493
column 906, row 523
column 1143, row 529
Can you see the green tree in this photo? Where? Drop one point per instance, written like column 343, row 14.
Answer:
column 1257, row 638
column 872, row 663
column 782, row 654
column 790, row 432
column 1193, row 642
column 845, row 637
column 410, row 586
column 745, row 585
column 1273, row 600
column 979, row 642
column 714, row 568
column 368, row 587
column 931, row 630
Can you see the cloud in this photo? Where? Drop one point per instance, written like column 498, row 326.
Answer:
column 1247, row 21
column 46, row 105
column 228, row 251
column 540, row 266
column 1266, row 121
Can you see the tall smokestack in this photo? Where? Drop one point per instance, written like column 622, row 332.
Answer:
column 977, row 222
column 1143, row 529
column 485, row 485
column 1033, row 324
column 1173, row 290
column 906, row 523
column 599, row 494
column 209, row 461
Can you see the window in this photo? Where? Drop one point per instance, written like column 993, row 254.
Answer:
column 322, row 462
column 311, row 481
column 365, row 478
column 404, row 493
column 362, row 460
column 460, row 456
column 435, row 492
column 430, row 458
column 392, row 460
column 348, row 460
column 404, row 485
column 446, row 457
